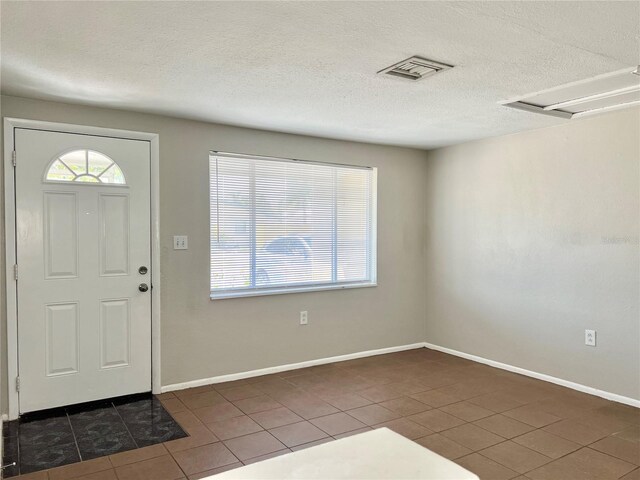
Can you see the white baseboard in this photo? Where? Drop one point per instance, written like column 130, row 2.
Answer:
column 284, row 368
column 540, row 376
column 369, row 353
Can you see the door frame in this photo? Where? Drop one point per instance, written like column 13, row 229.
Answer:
column 11, row 290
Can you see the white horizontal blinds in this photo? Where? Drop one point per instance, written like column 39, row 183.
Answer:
column 293, row 223
column 353, row 224
column 231, row 224
column 278, row 224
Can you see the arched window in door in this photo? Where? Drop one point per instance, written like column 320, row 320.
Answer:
column 85, row 166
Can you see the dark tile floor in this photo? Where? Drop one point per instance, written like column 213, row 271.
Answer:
column 495, row 423
column 61, row 436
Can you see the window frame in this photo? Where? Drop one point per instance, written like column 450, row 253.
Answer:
column 372, row 281
column 74, row 181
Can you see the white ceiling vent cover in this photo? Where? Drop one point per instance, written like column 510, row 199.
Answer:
column 415, row 68
column 604, row 93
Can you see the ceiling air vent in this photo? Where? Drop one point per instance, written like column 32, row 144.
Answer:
column 604, row 93
column 415, row 68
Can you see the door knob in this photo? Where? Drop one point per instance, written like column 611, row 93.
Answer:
column 143, row 270
column 143, row 287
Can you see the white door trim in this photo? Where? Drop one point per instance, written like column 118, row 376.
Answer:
column 10, row 241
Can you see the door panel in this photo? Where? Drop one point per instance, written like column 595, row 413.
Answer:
column 60, row 234
column 115, row 342
column 82, row 232
column 114, row 238
column 62, row 338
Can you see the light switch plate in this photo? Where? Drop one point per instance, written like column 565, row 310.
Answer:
column 590, row 338
column 180, row 242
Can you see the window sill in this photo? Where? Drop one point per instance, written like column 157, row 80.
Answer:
column 283, row 290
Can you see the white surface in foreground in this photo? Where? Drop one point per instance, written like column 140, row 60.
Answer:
column 378, row 454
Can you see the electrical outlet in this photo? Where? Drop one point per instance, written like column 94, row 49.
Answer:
column 590, row 338
column 180, row 242
column 304, row 319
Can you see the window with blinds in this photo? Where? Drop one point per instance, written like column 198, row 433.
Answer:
column 280, row 225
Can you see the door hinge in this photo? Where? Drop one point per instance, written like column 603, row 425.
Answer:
column 17, row 384
column 15, row 271
column 13, row 158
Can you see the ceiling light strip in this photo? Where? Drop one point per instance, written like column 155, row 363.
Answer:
column 527, row 107
column 596, row 96
column 523, row 98
column 608, row 108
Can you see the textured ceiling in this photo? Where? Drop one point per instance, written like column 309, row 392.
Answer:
column 310, row 67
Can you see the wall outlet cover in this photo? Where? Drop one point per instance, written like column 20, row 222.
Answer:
column 180, row 242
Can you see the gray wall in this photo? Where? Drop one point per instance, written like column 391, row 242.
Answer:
column 203, row 338
column 508, row 248
column 533, row 238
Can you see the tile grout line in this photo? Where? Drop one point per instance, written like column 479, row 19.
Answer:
column 581, row 447
column 126, row 428
column 479, row 452
column 73, row 432
column 172, row 453
column 175, row 460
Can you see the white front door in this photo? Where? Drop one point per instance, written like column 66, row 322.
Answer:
column 83, row 260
